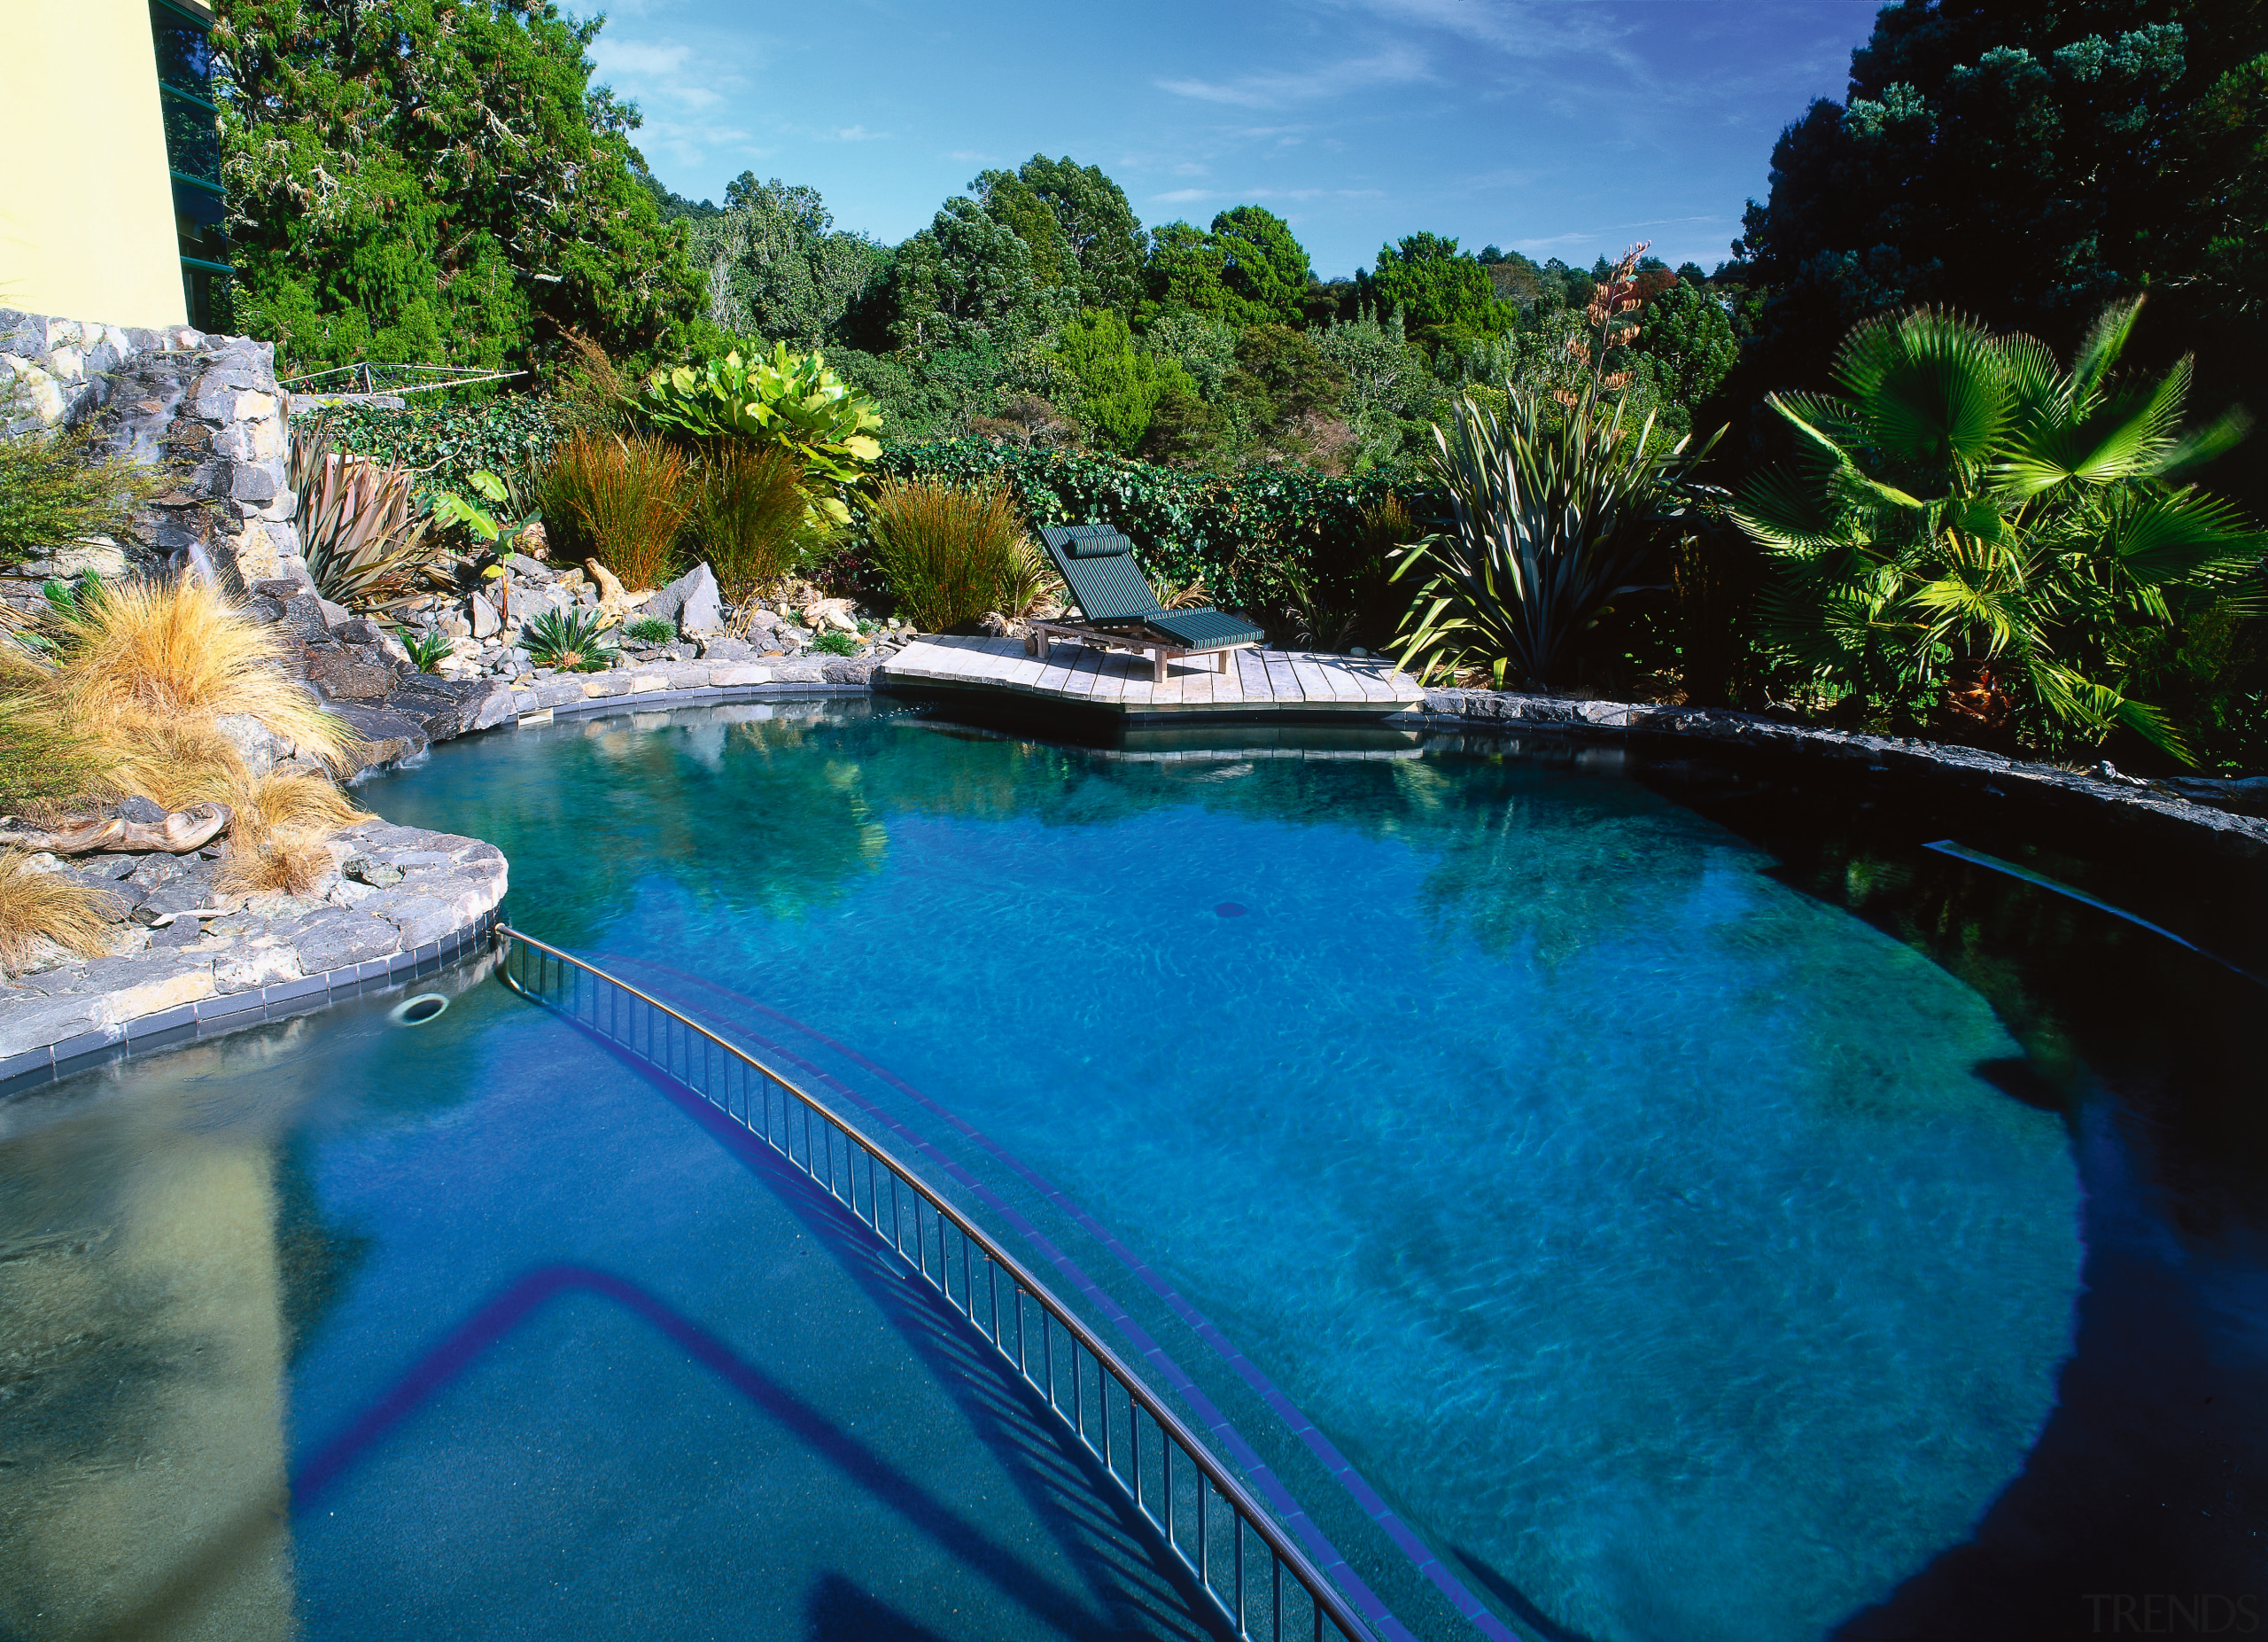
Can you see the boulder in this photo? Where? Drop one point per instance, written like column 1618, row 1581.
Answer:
column 484, row 619
column 725, row 650
column 701, row 608
column 352, row 673
column 386, row 736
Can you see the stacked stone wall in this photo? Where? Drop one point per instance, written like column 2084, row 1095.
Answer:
column 205, row 411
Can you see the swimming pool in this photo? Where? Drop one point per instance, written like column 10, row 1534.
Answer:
column 1681, row 1233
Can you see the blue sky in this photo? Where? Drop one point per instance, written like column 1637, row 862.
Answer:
column 1560, row 129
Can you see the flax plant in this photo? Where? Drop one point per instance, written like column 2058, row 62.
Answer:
column 1554, row 518
column 951, row 552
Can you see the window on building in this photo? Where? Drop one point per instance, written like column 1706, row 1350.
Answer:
column 184, row 41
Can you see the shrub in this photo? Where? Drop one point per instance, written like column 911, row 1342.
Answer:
column 650, row 630
column 1238, row 533
column 950, row 552
column 366, row 546
column 445, row 444
column 571, row 640
column 792, row 399
column 835, row 642
column 1975, row 535
column 751, row 520
column 59, row 906
column 619, row 499
column 54, row 490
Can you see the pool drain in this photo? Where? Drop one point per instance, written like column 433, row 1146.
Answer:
column 418, row 1010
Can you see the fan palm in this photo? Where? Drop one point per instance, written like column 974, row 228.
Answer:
column 1554, row 517
column 1977, row 529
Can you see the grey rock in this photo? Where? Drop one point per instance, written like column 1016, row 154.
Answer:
column 145, row 811
column 177, row 895
column 377, row 874
column 700, row 608
column 386, row 736
column 726, row 650
column 521, row 565
column 485, row 620
column 341, row 939
column 152, row 870
column 352, row 672
column 847, row 670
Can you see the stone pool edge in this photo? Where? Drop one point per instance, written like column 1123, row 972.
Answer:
column 86, row 1014
column 1992, row 775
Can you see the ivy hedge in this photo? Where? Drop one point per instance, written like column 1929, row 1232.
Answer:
column 444, row 443
column 1239, row 533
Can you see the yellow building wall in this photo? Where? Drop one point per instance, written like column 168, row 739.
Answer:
column 86, row 201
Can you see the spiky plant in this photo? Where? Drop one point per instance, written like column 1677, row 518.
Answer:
column 1555, row 517
column 1974, row 532
column 649, row 630
column 571, row 640
column 619, row 499
column 365, row 544
column 951, row 552
column 427, row 650
column 753, row 521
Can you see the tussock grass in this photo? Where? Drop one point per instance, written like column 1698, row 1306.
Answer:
column 56, row 905
column 619, row 499
column 751, row 520
column 147, row 654
column 951, row 552
column 280, row 836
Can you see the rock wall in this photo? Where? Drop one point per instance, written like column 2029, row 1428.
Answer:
column 205, row 411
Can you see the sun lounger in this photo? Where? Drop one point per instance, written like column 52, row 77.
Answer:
column 1118, row 611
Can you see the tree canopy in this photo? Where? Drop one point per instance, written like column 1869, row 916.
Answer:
column 437, row 180
column 1437, row 288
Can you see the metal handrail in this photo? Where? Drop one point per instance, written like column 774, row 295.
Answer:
column 882, row 1171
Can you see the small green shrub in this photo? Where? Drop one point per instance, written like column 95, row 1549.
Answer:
column 790, row 399
column 835, row 642
column 950, row 552
column 650, row 630
column 620, row 499
column 753, row 521
column 571, row 642
column 427, row 650
column 53, row 490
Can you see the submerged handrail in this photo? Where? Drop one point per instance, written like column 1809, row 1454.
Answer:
column 558, row 976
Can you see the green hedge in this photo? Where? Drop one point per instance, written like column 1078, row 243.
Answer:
column 1239, row 531
column 445, row 442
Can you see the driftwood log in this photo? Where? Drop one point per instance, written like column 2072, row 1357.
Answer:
column 178, row 834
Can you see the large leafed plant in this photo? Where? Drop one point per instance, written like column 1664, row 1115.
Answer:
column 792, row 399
column 1974, row 531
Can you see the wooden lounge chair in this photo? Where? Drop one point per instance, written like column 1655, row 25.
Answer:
column 1117, row 610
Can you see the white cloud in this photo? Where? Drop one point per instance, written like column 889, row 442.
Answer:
column 855, row 134
column 1397, row 65
column 645, row 59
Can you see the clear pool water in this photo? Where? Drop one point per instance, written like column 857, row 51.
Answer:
column 1689, row 1232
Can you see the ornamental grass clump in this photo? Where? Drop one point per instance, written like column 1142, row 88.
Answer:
column 279, row 837
column 950, row 552
column 621, row 499
column 752, row 520
column 58, row 906
column 366, row 545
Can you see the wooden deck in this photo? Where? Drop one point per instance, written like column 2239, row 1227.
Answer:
column 1257, row 682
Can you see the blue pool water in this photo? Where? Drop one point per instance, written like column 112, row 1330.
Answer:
column 1660, row 1239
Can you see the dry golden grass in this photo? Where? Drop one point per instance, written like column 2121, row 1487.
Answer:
column 278, row 836
column 59, row 906
column 152, row 652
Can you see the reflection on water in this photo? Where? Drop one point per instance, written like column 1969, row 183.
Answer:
column 143, row 1301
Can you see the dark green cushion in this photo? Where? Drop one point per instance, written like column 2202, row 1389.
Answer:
column 1087, row 542
column 1206, row 629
